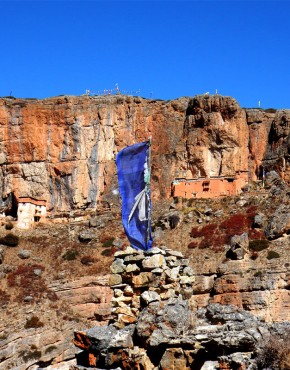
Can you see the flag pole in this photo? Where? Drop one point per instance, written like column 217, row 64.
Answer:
column 148, row 189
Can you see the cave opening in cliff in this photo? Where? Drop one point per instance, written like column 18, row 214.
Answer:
column 12, row 206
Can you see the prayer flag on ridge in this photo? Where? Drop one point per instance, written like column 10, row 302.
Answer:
column 134, row 184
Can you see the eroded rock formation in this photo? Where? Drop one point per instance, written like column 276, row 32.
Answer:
column 62, row 149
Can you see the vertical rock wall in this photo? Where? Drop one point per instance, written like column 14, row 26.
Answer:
column 62, row 149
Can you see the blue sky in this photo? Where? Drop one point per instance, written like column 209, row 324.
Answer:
column 164, row 49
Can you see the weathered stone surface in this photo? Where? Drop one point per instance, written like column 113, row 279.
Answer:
column 24, row 254
column 86, row 236
column 118, row 266
column 149, row 296
column 279, row 223
column 208, row 135
column 154, row 261
column 2, row 253
column 143, row 279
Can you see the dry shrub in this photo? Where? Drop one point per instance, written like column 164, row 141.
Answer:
column 107, row 241
column 192, row 245
column 70, row 255
column 108, row 252
column 27, row 282
column 275, row 353
column 87, row 260
column 10, row 240
column 204, row 231
column 215, row 236
column 256, row 234
column 33, row 322
column 272, row 254
column 4, row 297
column 258, row 245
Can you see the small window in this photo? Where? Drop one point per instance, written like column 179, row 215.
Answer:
column 205, row 186
column 36, row 218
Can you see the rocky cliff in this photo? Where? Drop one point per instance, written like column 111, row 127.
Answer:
column 53, row 278
column 62, row 149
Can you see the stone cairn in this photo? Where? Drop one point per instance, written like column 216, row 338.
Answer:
column 153, row 325
column 138, row 279
column 141, row 278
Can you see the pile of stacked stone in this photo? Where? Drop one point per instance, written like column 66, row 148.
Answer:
column 154, row 327
column 140, row 278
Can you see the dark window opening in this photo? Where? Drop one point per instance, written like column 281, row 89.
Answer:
column 36, row 218
column 205, row 186
column 12, row 206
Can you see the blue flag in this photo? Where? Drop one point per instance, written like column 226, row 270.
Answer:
column 134, row 183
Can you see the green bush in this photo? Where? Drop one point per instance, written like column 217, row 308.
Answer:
column 272, row 254
column 258, row 245
column 10, row 240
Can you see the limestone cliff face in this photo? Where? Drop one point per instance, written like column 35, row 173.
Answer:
column 62, row 149
column 216, row 134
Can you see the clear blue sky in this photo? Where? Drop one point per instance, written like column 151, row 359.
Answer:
column 165, row 49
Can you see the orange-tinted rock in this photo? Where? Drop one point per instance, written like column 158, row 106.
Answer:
column 62, row 149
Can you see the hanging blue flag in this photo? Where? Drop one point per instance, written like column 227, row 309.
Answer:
column 134, row 183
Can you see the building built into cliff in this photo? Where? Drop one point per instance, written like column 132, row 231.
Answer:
column 29, row 211
column 209, row 187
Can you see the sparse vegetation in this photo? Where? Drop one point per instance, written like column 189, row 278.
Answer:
column 87, row 260
column 4, row 297
column 33, row 322
column 107, row 242
column 272, row 254
column 27, row 282
column 108, row 252
column 275, row 353
column 215, row 236
column 258, row 245
column 70, row 255
column 10, row 240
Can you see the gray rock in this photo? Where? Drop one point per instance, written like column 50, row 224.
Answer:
column 158, row 233
column 218, row 213
column 149, row 296
column 28, row 298
column 24, row 254
column 155, row 250
column 118, row 243
column 259, row 220
column 118, row 266
column 96, row 222
column 2, row 252
column 154, row 261
column 37, row 272
column 279, row 223
column 86, row 236
column 239, row 245
column 188, row 271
